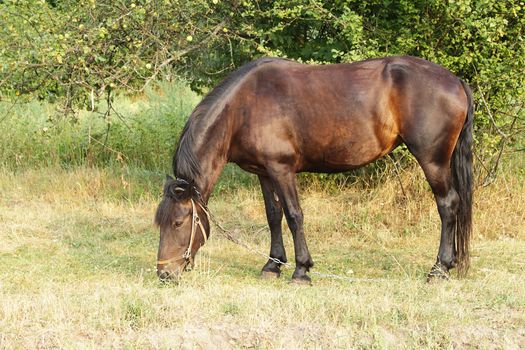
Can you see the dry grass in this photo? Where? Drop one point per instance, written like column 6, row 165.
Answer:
column 77, row 250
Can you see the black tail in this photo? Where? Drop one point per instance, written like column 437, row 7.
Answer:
column 462, row 175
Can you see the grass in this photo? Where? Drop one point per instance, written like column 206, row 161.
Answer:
column 143, row 132
column 78, row 248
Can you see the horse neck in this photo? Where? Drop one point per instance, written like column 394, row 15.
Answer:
column 211, row 149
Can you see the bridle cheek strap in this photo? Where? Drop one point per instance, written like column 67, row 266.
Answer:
column 195, row 221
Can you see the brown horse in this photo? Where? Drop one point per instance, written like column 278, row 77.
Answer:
column 276, row 117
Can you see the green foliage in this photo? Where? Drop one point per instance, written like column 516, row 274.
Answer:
column 79, row 51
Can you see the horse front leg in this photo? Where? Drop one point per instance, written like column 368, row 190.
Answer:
column 285, row 183
column 274, row 215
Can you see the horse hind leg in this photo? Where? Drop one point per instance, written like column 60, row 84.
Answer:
column 447, row 199
column 274, row 215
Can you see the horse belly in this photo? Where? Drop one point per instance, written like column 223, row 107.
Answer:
column 352, row 149
column 352, row 155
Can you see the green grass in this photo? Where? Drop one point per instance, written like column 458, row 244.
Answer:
column 142, row 133
column 78, row 251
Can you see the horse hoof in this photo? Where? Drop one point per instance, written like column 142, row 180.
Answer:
column 438, row 273
column 270, row 274
column 436, row 279
column 303, row 281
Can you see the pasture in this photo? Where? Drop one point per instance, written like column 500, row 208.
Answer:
column 78, row 249
column 93, row 97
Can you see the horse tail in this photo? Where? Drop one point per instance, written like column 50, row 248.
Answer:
column 462, row 179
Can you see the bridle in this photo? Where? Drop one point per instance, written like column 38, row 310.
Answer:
column 195, row 222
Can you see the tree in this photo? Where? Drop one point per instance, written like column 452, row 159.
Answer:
column 77, row 52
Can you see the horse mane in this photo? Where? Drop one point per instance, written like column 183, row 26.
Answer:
column 185, row 163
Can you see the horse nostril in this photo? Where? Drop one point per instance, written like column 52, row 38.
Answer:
column 161, row 273
column 164, row 275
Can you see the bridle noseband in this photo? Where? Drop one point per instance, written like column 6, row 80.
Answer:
column 195, row 221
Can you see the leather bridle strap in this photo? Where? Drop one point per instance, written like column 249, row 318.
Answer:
column 195, row 221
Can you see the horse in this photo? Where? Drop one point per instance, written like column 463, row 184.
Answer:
column 276, row 117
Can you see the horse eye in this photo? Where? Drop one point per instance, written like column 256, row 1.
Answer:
column 177, row 223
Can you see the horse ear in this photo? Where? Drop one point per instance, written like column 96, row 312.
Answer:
column 178, row 190
column 168, row 177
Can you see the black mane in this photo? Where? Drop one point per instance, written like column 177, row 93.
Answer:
column 185, row 163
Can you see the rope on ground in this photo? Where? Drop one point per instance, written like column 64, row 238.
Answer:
column 229, row 235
